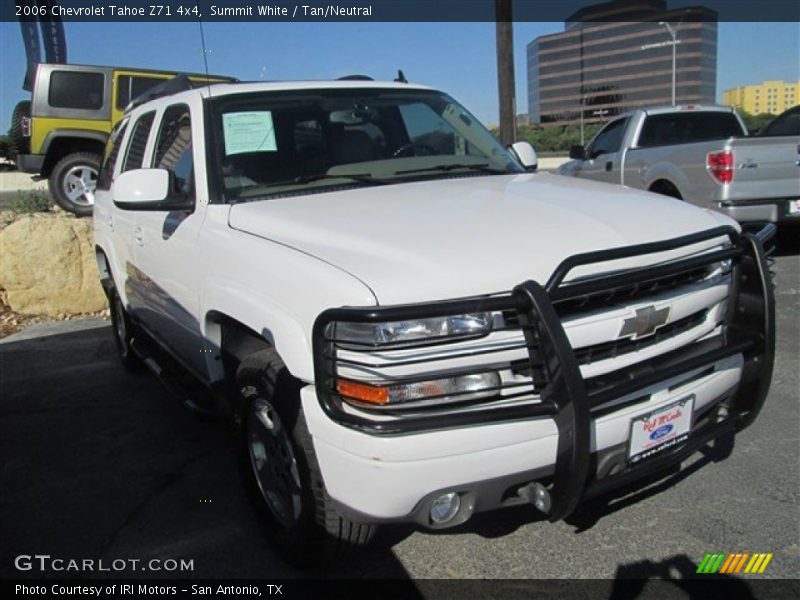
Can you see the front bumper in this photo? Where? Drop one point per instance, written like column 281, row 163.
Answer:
column 395, row 478
column 574, row 441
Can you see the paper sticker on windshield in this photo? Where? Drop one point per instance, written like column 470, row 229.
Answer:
column 249, row 132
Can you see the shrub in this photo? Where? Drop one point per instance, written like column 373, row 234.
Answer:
column 31, row 201
column 555, row 139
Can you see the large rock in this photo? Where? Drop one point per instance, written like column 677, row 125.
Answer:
column 47, row 266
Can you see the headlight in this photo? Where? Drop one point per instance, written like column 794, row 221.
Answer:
column 460, row 388
column 401, row 333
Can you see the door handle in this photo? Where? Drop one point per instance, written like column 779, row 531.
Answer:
column 137, row 235
column 609, row 165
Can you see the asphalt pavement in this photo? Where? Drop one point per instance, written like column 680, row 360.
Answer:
column 99, row 463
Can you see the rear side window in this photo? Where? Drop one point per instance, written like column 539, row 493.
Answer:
column 69, row 89
column 138, row 142
column 687, row 128
column 131, row 86
column 113, row 145
column 174, row 147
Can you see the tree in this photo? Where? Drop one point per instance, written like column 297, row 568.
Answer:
column 7, row 150
column 555, row 139
column 755, row 123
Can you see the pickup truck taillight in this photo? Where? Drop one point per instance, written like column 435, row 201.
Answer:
column 25, row 126
column 720, row 165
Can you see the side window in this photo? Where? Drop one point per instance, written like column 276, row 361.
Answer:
column 130, row 86
column 138, row 142
column 174, row 147
column 71, row 89
column 112, row 152
column 609, row 139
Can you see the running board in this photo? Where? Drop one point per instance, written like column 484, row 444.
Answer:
column 178, row 382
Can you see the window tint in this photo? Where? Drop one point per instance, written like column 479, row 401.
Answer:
column 309, row 145
column 112, row 152
column 69, row 89
column 174, row 147
column 429, row 131
column 129, row 87
column 609, row 139
column 306, row 142
column 138, row 142
column 687, row 128
column 787, row 124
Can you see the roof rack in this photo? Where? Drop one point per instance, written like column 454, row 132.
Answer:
column 355, row 78
column 179, row 83
column 401, row 78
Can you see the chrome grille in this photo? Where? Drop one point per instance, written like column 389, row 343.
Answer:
column 612, row 349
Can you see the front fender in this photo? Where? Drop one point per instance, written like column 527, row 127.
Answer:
column 273, row 322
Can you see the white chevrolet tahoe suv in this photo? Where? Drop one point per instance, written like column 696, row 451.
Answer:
column 404, row 320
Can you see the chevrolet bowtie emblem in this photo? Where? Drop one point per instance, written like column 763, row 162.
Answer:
column 646, row 321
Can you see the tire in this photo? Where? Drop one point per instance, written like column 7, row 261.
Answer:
column 22, row 144
column 123, row 331
column 73, row 181
column 289, row 494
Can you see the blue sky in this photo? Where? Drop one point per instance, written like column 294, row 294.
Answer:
column 457, row 57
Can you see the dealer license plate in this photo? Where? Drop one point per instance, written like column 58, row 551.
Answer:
column 660, row 430
column 794, row 207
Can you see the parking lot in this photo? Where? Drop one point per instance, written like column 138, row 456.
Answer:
column 99, row 463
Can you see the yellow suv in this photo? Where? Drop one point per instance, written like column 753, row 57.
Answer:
column 60, row 134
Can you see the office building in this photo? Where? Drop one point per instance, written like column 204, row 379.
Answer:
column 616, row 56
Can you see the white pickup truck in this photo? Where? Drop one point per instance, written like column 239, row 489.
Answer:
column 698, row 154
column 404, row 320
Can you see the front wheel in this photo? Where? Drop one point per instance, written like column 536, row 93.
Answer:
column 123, row 333
column 73, row 182
column 280, row 467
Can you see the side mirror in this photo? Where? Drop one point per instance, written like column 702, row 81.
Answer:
column 148, row 189
column 526, row 155
column 576, row 151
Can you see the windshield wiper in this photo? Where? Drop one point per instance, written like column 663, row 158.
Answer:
column 483, row 167
column 302, row 179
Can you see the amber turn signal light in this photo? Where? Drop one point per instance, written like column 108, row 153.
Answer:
column 371, row 394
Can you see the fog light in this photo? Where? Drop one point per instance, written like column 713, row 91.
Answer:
column 541, row 498
column 445, row 507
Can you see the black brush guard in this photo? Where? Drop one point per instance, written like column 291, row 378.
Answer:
column 566, row 397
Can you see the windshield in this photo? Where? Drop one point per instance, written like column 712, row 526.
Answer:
column 311, row 140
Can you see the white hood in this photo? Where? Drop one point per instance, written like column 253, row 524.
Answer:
column 452, row 238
